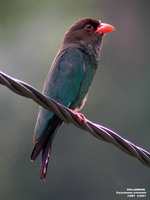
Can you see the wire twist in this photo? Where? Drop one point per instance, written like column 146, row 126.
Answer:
column 100, row 132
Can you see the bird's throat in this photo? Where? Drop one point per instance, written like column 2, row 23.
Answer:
column 94, row 49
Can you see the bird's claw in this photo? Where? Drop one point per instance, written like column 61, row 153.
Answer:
column 80, row 116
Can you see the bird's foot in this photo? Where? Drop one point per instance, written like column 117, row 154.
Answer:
column 80, row 116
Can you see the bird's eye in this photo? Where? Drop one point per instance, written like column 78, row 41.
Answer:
column 88, row 27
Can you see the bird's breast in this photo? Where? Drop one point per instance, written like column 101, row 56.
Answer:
column 89, row 67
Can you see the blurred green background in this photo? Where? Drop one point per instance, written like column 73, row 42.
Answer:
column 80, row 167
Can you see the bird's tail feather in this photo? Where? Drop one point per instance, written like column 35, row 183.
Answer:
column 45, row 143
column 45, row 159
column 46, row 151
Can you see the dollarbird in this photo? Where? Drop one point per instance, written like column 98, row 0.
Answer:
column 68, row 81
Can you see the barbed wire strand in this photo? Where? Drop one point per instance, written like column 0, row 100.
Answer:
column 100, row 132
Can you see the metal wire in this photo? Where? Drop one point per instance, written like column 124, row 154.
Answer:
column 68, row 116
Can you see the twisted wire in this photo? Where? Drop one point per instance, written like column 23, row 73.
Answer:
column 100, row 132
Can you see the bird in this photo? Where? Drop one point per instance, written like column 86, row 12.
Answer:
column 68, row 81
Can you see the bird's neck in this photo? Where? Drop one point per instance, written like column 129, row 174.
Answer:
column 92, row 49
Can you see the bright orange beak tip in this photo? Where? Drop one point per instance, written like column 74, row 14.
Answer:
column 104, row 28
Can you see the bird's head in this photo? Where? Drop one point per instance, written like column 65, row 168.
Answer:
column 87, row 35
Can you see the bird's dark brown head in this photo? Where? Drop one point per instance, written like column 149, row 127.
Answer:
column 87, row 35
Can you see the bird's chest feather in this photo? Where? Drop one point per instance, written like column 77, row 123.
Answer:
column 89, row 67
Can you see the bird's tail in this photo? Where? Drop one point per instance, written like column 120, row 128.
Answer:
column 44, row 162
column 45, row 145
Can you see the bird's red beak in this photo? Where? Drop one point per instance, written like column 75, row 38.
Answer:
column 104, row 28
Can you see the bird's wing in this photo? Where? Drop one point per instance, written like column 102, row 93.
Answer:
column 62, row 84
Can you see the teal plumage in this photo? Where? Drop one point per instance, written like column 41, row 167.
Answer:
column 68, row 82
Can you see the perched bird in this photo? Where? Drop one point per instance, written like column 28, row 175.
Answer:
column 68, row 80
